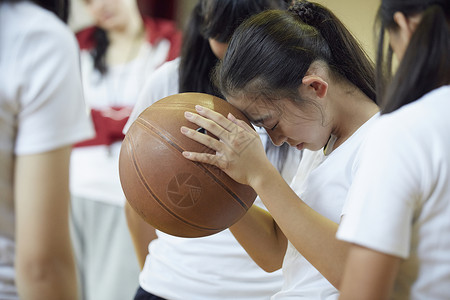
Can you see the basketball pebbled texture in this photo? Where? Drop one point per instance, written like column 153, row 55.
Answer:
column 173, row 194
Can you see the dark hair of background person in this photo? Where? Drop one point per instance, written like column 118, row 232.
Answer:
column 270, row 53
column 59, row 7
column 426, row 62
column 100, row 36
column 217, row 20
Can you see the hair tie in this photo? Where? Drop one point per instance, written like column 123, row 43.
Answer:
column 306, row 11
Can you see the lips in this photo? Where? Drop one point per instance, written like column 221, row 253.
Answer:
column 299, row 146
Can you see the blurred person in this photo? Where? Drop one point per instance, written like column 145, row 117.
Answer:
column 42, row 113
column 216, row 266
column 397, row 220
column 117, row 55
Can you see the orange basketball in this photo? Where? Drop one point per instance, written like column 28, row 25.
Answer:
column 173, row 194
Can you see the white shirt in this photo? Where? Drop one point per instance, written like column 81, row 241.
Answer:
column 94, row 169
column 212, row 267
column 322, row 182
column 399, row 203
column 41, row 104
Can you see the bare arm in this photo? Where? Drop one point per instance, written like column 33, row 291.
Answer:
column 257, row 228
column 368, row 275
column 44, row 259
column 141, row 233
column 311, row 234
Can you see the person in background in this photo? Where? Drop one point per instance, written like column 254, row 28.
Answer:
column 397, row 219
column 118, row 53
column 212, row 267
column 302, row 76
column 42, row 114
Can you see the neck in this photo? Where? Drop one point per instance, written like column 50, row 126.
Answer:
column 353, row 108
column 132, row 31
column 126, row 42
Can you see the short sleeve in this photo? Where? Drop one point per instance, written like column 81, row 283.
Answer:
column 52, row 110
column 381, row 200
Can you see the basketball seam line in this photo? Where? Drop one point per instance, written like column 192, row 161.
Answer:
column 141, row 177
column 152, row 128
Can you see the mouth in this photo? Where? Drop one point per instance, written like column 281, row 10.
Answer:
column 299, row 146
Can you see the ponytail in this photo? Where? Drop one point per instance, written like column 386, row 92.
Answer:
column 425, row 65
column 271, row 52
column 347, row 57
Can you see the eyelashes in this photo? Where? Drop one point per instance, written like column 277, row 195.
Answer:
column 274, row 127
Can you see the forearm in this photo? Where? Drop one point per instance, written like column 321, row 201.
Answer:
column 260, row 236
column 141, row 233
column 310, row 233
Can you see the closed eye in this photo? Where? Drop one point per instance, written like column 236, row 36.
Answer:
column 274, row 127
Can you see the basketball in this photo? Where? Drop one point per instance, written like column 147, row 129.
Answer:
column 173, row 194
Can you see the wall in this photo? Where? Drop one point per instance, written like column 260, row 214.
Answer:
column 359, row 17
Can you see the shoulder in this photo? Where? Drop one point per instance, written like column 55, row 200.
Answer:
column 34, row 34
column 27, row 18
column 168, row 69
column 429, row 106
column 163, row 81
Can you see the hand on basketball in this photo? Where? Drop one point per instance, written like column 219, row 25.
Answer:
column 239, row 152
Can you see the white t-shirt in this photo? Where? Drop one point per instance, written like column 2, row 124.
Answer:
column 41, row 104
column 399, row 203
column 212, row 267
column 94, row 169
column 322, row 182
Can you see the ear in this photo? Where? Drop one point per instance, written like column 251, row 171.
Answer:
column 407, row 25
column 316, row 85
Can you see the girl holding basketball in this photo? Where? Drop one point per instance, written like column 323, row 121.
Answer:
column 302, row 76
column 216, row 266
column 398, row 212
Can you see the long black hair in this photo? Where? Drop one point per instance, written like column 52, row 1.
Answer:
column 270, row 53
column 59, row 7
column 217, row 19
column 425, row 64
column 213, row 19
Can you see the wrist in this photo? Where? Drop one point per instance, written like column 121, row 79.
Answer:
column 265, row 178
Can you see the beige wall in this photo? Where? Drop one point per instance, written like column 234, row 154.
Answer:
column 359, row 17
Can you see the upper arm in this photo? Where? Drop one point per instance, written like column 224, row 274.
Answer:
column 368, row 274
column 141, row 233
column 42, row 203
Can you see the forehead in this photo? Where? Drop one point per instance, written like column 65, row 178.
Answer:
column 255, row 108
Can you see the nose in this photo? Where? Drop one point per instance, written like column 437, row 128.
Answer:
column 277, row 138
